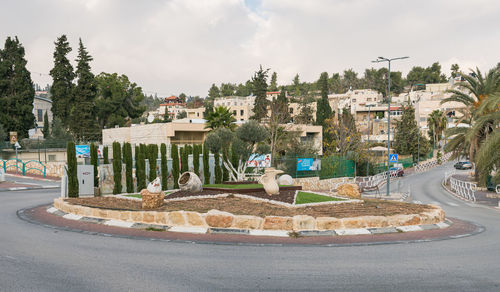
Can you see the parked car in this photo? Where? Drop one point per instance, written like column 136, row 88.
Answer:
column 399, row 170
column 463, row 165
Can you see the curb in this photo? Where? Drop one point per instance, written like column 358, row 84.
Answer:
column 251, row 232
column 28, row 188
column 32, row 177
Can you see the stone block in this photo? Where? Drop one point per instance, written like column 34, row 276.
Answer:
column 125, row 216
column 161, row 217
column 303, row 222
column 278, row 223
column 136, row 216
column 148, row 217
column 376, row 221
column 176, row 218
column 216, row 218
column 195, row 219
column 328, row 223
column 354, row 222
column 349, row 191
column 113, row 214
column 247, row 222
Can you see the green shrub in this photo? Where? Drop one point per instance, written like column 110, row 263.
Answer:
column 94, row 161
column 196, row 159
column 184, row 159
column 117, row 168
column 175, row 165
column 225, row 172
column 140, row 170
column 72, row 170
column 164, row 168
column 153, row 156
column 218, row 171
column 105, row 155
column 206, row 165
column 127, row 159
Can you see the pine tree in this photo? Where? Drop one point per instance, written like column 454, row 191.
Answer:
column 273, row 86
column 46, row 130
column 73, row 191
column 153, row 156
column 83, row 123
column 16, row 90
column 259, row 81
column 117, row 168
column 324, row 111
column 164, row 167
column 206, row 165
column 196, row 159
column 62, row 86
column 406, row 140
column 175, row 165
column 105, row 155
column 127, row 159
column 94, row 160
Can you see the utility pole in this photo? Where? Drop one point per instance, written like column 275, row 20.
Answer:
column 382, row 59
column 368, row 139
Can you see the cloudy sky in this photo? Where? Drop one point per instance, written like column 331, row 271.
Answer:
column 174, row 46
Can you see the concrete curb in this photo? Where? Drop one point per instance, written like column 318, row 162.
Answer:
column 251, row 232
column 28, row 188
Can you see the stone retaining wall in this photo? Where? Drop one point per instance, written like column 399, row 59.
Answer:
column 316, row 184
column 219, row 219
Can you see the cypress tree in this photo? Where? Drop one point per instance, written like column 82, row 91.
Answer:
column 196, row 159
column 140, row 170
column 153, row 156
column 225, row 172
column 324, row 111
column 62, row 75
column 72, row 170
column 184, row 160
column 105, row 155
column 206, row 164
column 46, row 130
column 164, row 167
column 94, row 161
column 127, row 159
column 16, row 90
column 175, row 165
column 136, row 159
column 83, row 122
column 117, row 168
column 218, row 171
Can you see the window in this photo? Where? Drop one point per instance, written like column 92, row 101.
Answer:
column 291, row 110
column 353, row 100
column 197, row 114
column 242, row 112
column 369, row 99
column 52, row 157
column 234, row 112
column 40, row 115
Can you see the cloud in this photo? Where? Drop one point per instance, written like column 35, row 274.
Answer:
column 178, row 46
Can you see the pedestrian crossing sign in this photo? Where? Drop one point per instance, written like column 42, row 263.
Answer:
column 393, row 158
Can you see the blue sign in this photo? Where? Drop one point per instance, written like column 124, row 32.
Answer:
column 82, row 150
column 393, row 157
column 304, row 164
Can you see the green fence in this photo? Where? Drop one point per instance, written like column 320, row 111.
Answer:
column 23, row 167
column 331, row 166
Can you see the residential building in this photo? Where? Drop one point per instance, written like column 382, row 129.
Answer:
column 41, row 105
column 173, row 105
column 240, row 106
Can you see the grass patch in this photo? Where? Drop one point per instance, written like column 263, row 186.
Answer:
column 155, row 229
column 306, row 197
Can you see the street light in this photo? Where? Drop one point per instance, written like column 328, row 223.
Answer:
column 382, row 59
column 368, row 138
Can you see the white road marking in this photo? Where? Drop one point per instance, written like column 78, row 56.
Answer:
column 72, row 216
column 409, row 228
column 188, row 229
column 452, row 204
column 355, row 231
column 118, row 223
column 52, row 210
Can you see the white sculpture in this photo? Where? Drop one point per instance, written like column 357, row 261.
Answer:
column 190, row 182
column 154, row 187
column 285, row 180
column 268, row 180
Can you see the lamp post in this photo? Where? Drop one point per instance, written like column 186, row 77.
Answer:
column 378, row 60
column 368, row 138
column 418, row 147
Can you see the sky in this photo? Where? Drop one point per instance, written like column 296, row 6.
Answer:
column 170, row 47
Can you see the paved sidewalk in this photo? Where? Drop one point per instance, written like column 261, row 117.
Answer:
column 17, row 183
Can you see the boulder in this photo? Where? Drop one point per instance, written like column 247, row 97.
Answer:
column 151, row 200
column 190, row 182
column 349, row 190
column 216, row 218
column 285, row 180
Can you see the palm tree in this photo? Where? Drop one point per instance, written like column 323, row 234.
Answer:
column 221, row 117
column 437, row 124
column 479, row 94
column 488, row 155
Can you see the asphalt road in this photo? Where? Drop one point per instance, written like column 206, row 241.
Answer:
column 37, row 258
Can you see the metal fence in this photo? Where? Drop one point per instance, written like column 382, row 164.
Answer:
column 464, row 189
column 24, row 167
